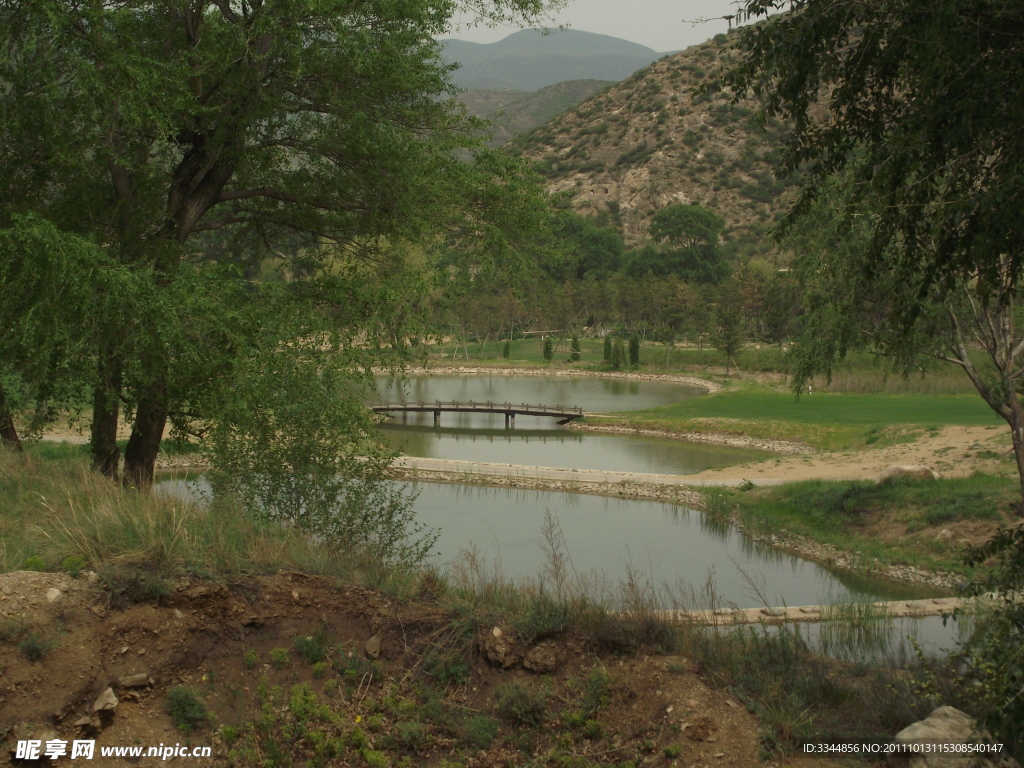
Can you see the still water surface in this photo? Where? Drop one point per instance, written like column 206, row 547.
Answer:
column 538, row 440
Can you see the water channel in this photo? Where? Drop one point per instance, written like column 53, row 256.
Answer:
column 670, row 547
column 539, row 440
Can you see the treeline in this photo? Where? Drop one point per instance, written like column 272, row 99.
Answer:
column 675, row 289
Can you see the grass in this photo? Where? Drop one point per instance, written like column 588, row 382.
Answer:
column 53, row 509
column 823, row 420
column 860, row 373
column 55, row 512
column 846, row 514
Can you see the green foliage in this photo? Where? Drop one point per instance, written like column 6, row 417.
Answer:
column 542, row 617
column 447, row 666
column 995, row 656
column 280, row 657
column 522, row 702
column 686, row 226
column 889, row 70
column 34, row 646
column 250, row 658
column 574, row 356
column 479, row 731
column 35, row 563
column 549, row 349
column 186, row 708
column 165, row 270
column 313, row 648
column 505, row 350
column 606, row 349
column 618, row 355
column 74, row 565
column 634, row 350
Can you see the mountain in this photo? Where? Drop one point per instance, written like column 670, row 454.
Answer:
column 532, row 59
column 656, row 139
column 514, row 112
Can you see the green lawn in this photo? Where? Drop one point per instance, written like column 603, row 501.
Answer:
column 822, row 420
column 836, row 409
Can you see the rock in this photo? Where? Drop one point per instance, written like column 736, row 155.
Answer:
column 542, row 658
column 372, row 647
column 88, row 726
column 498, row 650
column 178, row 614
column 138, row 680
column 53, row 595
column 907, row 471
column 107, row 702
column 947, row 725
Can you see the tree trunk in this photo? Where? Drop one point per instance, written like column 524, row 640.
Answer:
column 106, row 401
column 8, row 433
column 144, row 443
column 1017, row 429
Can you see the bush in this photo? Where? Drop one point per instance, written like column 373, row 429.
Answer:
column 521, row 702
column 607, row 349
column 506, row 350
column 479, row 731
column 313, row 648
column 549, row 349
column 634, row 350
column 186, row 709
column 576, row 349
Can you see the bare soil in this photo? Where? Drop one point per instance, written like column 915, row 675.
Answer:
column 198, row 633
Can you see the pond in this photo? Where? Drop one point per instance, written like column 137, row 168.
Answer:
column 608, row 541
column 538, row 440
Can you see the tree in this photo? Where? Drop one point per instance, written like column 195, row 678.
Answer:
column 848, row 305
column 606, row 353
column 686, row 226
column 320, row 135
column 919, row 104
column 688, row 246
column 576, row 349
column 634, row 350
column 549, row 349
column 727, row 336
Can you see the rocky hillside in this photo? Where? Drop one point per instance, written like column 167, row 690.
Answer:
column 655, row 139
column 516, row 112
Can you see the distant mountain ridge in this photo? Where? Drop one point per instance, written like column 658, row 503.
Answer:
column 532, row 59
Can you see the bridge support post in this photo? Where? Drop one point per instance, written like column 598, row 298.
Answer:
column 437, row 418
column 510, row 421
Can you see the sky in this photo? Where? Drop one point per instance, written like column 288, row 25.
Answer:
column 664, row 25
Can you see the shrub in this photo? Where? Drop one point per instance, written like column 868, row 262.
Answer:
column 576, row 349
column 521, row 702
column 313, row 648
column 34, row 646
column 186, row 709
column 607, row 349
column 549, row 349
column 479, row 731
column 279, row 657
column 634, row 350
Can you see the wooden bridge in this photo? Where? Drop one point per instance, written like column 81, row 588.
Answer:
column 564, row 414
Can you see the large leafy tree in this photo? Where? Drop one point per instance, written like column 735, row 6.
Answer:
column 187, row 142
column 913, row 110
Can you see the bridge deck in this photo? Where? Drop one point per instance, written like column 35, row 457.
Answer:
column 509, row 409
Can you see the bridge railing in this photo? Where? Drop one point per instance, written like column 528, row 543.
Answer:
column 447, row 405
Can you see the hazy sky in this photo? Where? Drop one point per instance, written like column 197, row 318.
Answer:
column 664, row 25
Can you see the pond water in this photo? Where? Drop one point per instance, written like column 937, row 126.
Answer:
column 538, row 440
column 605, row 538
column 607, row 541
